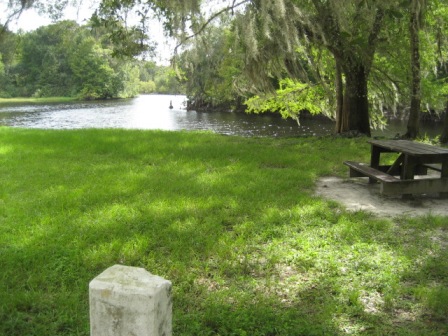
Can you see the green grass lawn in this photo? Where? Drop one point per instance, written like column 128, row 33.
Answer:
column 231, row 221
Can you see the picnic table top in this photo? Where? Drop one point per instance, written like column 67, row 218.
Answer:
column 409, row 147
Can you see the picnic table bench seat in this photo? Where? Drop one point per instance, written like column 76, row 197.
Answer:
column 359, row 169
column 391, row 185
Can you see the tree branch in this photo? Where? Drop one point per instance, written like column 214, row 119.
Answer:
column 209, row 20
column 373, row 36
column 15, row 14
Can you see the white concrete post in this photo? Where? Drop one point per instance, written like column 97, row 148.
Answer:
column 130, row 301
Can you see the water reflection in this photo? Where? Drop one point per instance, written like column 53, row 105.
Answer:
column 153, row 112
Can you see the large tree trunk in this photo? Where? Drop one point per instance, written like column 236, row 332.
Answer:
column 341, row 122
column 444, row 136
column 413, row 126
column 356, row 104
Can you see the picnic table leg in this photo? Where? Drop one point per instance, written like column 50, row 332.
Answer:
column 395, row 167
column 374, row 160
column 407, row 172
column 444, row 173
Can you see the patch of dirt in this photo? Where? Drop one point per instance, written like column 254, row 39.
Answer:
column 357, row 194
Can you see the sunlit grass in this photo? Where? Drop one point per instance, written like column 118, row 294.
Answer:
column 36, row 100
column 231, row 221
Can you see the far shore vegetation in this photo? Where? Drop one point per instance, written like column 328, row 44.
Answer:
column 233, row 222
column 66, row 59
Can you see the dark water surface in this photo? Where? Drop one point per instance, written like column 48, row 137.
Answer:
column 153, row 112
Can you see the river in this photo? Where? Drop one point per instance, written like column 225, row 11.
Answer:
column 154, row 112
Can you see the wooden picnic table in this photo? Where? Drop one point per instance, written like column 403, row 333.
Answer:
column 414, row 159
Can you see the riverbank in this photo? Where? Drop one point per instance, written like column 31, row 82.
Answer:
column 233, row 222
column 45, row 100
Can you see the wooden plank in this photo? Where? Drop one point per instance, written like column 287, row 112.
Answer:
column 409, row 147
column 421, row 186
column 364, row 170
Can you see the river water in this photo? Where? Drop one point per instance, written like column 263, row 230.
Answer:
column 154, row 112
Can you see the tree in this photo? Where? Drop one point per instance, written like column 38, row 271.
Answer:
column 125, row 38
column 14, row 9
column 65, row 59
column 210, row 67
column 51, row 8
column 348, row 30
column 93, row 76
column 8, row 45
column 44, row 59
column 415, row 23
column 128, row 74
column 440, row 26
column 290, row 99
column 167, row 81
column 272, row 30
column 444, row 135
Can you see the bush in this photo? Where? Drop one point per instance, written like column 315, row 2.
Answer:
column 147, row 87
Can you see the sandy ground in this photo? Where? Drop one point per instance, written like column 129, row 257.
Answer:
column 357, row 194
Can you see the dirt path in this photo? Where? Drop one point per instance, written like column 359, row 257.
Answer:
column 356, row 194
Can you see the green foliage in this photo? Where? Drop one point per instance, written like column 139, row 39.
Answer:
column 65, row 59
column 130, row 77
column 2, row 66
column 244, row 50
column 158, row 78
column 390, row 78
column 211, row 67
column 147, row 87
column 290, row 99
column 94, row 76
column 435, row 56
column 167, row 81
column 260, row 44
column 154, row 78
column 369, row 34
column 147, row 70
column 126, row 40
column 3, row 93
column 43, row 60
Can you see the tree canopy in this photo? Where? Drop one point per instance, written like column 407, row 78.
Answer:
column 66, row 59
column 354, row 60
column 337, row 46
